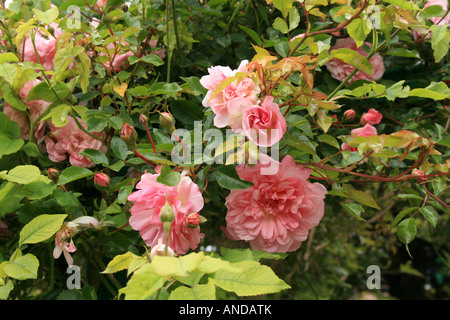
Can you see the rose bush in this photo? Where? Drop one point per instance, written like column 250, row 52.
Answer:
column 222, row 149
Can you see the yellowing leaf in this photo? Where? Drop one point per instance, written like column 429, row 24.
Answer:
column 121, row 89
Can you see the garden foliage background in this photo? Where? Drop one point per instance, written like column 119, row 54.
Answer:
column 93, row 90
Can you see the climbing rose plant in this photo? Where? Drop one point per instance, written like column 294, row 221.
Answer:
column 214, row 149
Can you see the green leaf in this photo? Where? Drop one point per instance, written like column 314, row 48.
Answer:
column 153, row 59
column 252, row 34
column 73, row 173
column 48, row 16
column 23, row 267
column 227, row 177
column 8, row 57
column 41, row 228
column 186, row 112
column 404, row 4
column 143, row 283
column 362, row 197
column 294, row 18
column 402, row 214
column 255, row 279
column 435, row 91
column 172, row 266
column 11, row 97
column 358, row 30
column 59, row 115
column 95, row 156
column 6, row 289
column 354, row 209
column 283, row 5
column 430, row 214
column 440, row 40
column 353, row 58
column 23, row 174
column 281, row 25
column 197, row 292
column 168, row 177
column 38, row 190
column 407, row 230
column 119, row 148
column 119, row 263
column 42, row 91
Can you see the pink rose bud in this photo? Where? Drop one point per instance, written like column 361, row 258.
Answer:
column 419, row 174
column 166, row 121
column 53, row 174
column 372, row 117
column 101, row 179
column 349, row 114
column 192, row 220
column 129, row 136
column 143, row 119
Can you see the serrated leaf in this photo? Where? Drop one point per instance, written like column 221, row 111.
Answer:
column 95, row 156
column 119, row 263
column 23, row 174
column 23, row 267
column 73, row 173
column 143, row 283
column 227, row 177
column 255, row 279
column 41, row 228
column 197, row 292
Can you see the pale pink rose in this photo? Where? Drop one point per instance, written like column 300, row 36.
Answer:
column 151, row 196
column 264, row 124
column 70, row 141
column 45, row 47
column 276, row 213
column 366, row 131
column 35, row 109
column 340, row 70
column 371, row 117
column 220, row 103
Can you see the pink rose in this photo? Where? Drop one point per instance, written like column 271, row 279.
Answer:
column 365, row 131
column 184, row 198
column 45, row 47
column 276, row 213
column 35, row 109
column 371, row 117
column 349, row 114
column 264, row 124
column 220, row 103
column 72, row 140
column 340, row 70
column 101, row 3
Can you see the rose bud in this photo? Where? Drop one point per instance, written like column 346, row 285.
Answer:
column 129, row 136
column 143, row 119
column 166, row 121
column 53, row 174
column 372, row 117
column 124, row 7
column 349, row 114
column 192, row 220
column 166, row 213
column 419, row 174
column 101, row 180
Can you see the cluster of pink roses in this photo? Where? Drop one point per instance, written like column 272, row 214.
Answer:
column 368, row 119
column 238, row 107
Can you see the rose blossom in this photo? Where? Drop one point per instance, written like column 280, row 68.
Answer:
column 276, row 213
column 220, row 103
column 371, row 117
column 365, row 131
column 184, row 198
column 340, row 70
column 72, row 140
column 35, row 109
column 45, row 47
column 118, row 60
column 264, row 124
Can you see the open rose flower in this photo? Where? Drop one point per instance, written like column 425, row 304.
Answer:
column 264, row 124
column 63, row 239
column 35, row 109
column 71, row 140
column 276, row 213
column 372, row 117
column 366, row 131
column 219, row 104
column 340, row 70
column 45, row 47
column 151, row 196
